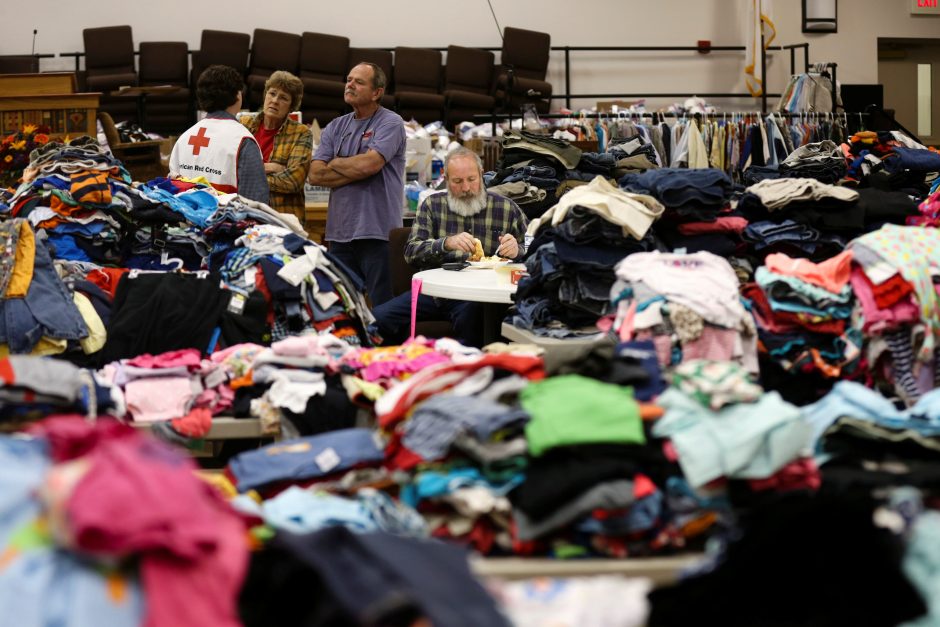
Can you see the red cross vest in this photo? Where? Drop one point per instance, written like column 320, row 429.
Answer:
column 210, row 149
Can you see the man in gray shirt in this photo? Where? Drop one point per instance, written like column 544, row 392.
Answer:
column 361, row 157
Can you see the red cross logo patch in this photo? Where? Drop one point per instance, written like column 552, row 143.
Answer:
column 199, row 140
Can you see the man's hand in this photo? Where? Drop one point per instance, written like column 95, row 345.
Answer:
column 461, row 241
column 273, row 168
column 508, row 246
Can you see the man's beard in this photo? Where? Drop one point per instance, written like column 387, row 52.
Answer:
column 469, row 206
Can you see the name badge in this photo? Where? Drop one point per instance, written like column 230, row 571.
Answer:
column 367, row 134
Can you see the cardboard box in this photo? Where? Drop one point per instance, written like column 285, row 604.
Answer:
column 607, row 106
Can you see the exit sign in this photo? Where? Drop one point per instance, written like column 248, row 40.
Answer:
column 925, row 7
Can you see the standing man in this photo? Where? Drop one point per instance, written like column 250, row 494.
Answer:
column 444, row 229
column 218, row 147
column 361, row 157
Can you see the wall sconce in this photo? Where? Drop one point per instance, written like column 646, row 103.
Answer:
column 820, row 16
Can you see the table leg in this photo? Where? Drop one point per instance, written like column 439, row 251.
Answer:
column 493, row 314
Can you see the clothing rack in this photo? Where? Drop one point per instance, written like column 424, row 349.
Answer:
column 637, row 115
column 700, row 49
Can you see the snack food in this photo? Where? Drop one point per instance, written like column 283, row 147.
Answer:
column 477, row 250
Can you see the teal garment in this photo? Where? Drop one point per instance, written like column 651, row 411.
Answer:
column 431, row 484
column 851, row 399
column 838, row 312
column 922, row 567
column 572, row 409
column 740, row 441
column 799, row 288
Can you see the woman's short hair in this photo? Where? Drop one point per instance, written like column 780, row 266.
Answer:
column 286, row 82
column 218, row 87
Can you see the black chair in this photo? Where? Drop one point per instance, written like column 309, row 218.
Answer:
column 520, row 77
column 220, row 47
column 271, row 50
column 109, row 65
column 166, row 63
column 468, row 84
column 324, row 63
column 400, row 272
column 418, row 84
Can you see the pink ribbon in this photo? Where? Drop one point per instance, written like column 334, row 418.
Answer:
column 415, row 292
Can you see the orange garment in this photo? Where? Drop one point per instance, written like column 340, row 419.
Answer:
column 107, row 278
column 23, row 260
column 831, row 274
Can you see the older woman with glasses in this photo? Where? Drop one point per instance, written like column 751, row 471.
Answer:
column 286, row 145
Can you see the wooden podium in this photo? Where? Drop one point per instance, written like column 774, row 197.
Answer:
column 47, row 100
column 315, row 220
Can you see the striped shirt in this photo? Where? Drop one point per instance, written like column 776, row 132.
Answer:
column 434, row 222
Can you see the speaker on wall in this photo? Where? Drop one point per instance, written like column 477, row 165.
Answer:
column 820, row 16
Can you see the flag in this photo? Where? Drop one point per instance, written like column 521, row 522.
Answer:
column 759, row 21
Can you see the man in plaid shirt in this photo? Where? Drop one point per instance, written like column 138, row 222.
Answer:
column 445, row 225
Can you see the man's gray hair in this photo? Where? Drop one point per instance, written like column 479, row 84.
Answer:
column 379, row 80
column 465, row 153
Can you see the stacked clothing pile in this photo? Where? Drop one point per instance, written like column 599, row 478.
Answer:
column 33, row 387
column 458, row 429
column 892, row 279
column 177, row 392
column 854, row 426
column 687, row 305
column 595, row 486
column 723, row 426
column 802, row 310
column 800, row 217
column 38, row 314
column 539, row 161
column 75, row 197
column 890, row 160
column 634, row 155
column 822, row 161
column 697, row 215
column 575, row 244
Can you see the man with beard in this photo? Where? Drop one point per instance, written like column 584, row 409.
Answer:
column 444, row 229
column 361, row 158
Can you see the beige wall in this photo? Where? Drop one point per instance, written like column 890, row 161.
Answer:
column 441, row 22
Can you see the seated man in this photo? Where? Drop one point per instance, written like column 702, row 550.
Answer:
column 445, row 227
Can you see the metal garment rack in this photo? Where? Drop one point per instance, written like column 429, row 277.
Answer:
column 763, row 61
column 567, row 96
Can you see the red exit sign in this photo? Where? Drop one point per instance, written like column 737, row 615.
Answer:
column 925, row 7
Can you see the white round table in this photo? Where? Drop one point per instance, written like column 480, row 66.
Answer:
column 480, row 285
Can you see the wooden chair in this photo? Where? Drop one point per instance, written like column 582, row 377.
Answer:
column 142, row 159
